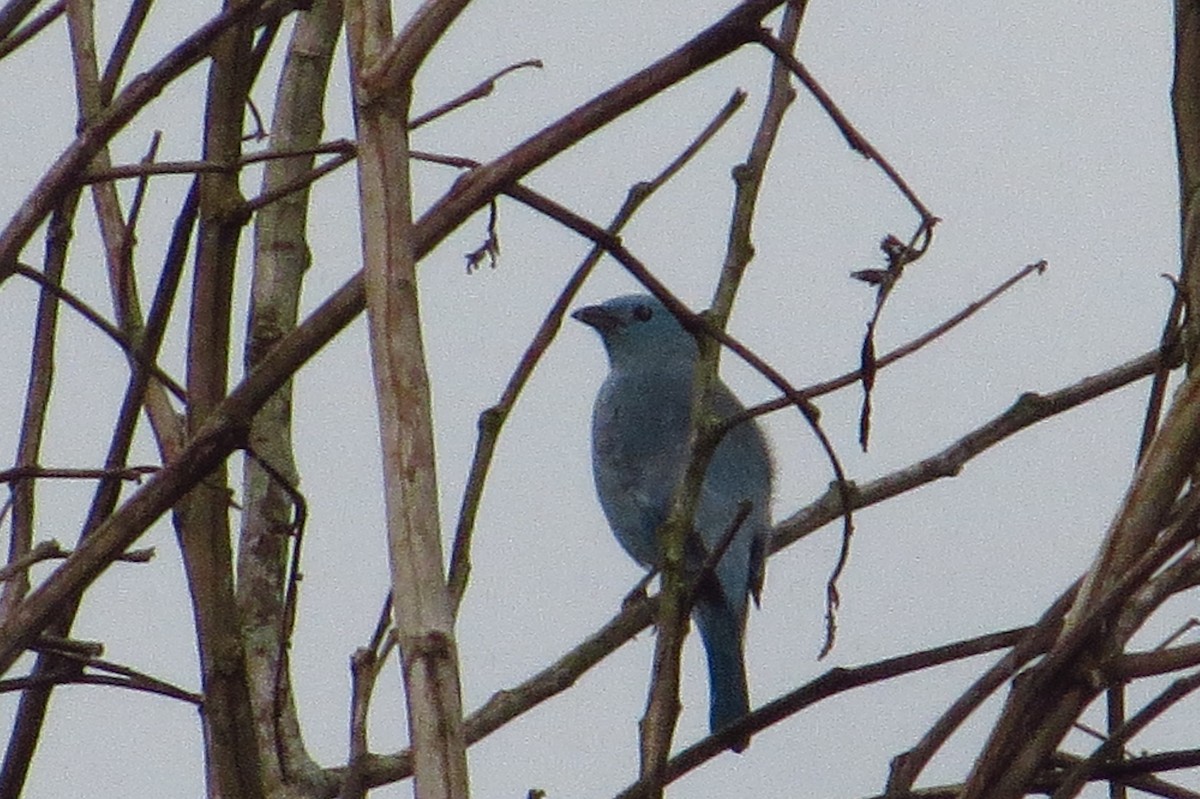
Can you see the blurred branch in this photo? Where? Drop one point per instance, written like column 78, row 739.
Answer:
column 393, row 68
column 832, row 683
column 508, row 704
column 907, row 766
column 1136, row 773
column 1185, row 105
column 10, row 43
column 1168, row 340
column 118, row 237
column 898, row 254
column 300, row 182
column 1112, row 747
column 69, row 670
column 130, row 473
column 135, row 18
column 365, row 665
column 12, row 13
column 1030, row 727
column 1157, row 661
column 201, row 520
column 117, row 234
column 857, row 141
column 122, row 171
column 52, row 550
column 27, row 723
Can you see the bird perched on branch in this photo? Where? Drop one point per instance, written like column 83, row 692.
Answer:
column 640, row 429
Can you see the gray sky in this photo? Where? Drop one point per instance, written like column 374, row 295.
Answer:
column 1033, row 130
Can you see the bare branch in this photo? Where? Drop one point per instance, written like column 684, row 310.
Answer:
column 478, row 92
column 422, row 607
column 10, row 43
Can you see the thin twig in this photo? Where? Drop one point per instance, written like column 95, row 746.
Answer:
column 296, row 184
column 854, row 138
column 898, row 255
column 128, row 232
column 478, row 92
column 1029, row 409
column 37, row 400
column 98, row 321
column 131, row 473
column 126, row 678
column 46, row 550
column 1168, row 340
column 903, row 351
column 365, row 664
column 126, row 171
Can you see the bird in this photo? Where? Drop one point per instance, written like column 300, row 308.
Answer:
column 640, row 425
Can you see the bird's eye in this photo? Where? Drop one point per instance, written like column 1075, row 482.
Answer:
column 642, row 313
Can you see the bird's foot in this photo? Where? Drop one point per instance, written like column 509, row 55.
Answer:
column 638, row 592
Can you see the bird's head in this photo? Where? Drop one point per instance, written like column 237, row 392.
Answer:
column 640, row 333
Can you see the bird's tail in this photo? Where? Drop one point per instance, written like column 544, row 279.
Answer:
column 728, row 696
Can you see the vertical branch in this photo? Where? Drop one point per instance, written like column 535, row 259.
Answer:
column 37, row 398
column 115, row 234
column 662, row 710
column 27, row 724
column 104, row 194
column 202, row 517
column 281, row 257
column 1185, row 103
column 396, row 67
column 423, row 609
column 749, row 175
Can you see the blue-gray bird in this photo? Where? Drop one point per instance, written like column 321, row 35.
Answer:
column 639, row 452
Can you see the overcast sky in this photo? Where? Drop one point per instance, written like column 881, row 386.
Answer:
column 1033, row 130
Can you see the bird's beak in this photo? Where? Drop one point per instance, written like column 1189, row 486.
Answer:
column 597, row 316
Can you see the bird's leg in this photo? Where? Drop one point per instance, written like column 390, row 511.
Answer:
column 638, row 592
column 708, row 570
